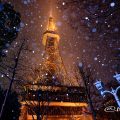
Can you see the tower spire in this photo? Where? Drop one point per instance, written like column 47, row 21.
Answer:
column 53, row 70
column 51, row 25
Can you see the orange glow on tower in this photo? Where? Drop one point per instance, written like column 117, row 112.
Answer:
column 51, row 32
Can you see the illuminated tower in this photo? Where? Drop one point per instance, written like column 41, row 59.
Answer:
column 53, row 97
column 53, row 71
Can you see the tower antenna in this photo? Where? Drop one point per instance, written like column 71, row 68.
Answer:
column 51, row 11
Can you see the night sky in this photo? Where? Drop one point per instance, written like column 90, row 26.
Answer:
column 89, row 32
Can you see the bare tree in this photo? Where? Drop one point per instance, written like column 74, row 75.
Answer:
column 12, row 78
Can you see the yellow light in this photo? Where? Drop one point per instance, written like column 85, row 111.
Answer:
column 51, row 25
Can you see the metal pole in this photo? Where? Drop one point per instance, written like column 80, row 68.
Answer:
column 117, row 99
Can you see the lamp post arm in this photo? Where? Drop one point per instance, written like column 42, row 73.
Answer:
column 113, row 92
column 106, row 91
column 117, row 89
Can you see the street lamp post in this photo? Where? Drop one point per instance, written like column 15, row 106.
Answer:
column 100, row 86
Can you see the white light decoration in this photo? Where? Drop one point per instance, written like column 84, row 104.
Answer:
column 100, row 87
column 117, row 77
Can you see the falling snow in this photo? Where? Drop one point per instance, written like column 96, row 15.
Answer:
column 89, row 33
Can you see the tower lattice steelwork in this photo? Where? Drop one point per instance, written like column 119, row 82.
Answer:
column 53, row 71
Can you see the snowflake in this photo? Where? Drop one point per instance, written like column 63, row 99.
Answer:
column 22, row 24
column 86, row 18
column 63, row 3
column 112, row 4
column 116, row 29
column 2, row 76
column 95, row 58
column 94, row 30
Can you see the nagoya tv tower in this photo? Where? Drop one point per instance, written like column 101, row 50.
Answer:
column 53, row 96
column 53, row 71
